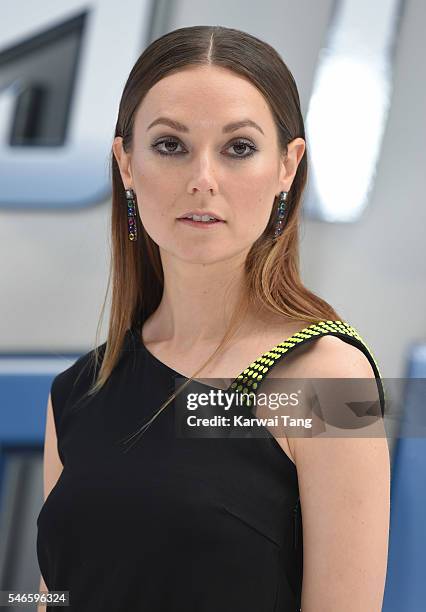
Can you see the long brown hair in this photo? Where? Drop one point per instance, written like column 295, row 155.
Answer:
column 272, row 266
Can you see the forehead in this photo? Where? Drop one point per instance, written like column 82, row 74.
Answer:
column 204, row 97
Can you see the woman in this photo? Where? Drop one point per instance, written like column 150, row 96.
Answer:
column 209, row 125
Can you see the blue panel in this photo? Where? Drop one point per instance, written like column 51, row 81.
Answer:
column 405, row 583
column 24, row 388
column 25, row 382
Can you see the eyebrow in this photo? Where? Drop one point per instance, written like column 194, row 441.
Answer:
column 229, row 127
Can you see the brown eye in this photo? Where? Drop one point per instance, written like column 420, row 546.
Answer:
column 166, row 141
column 241, row 144
column 171, row 143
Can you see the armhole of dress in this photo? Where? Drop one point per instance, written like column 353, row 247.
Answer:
column 61, row 388
column 360, row 344
column 56, row 410
column 252, row 377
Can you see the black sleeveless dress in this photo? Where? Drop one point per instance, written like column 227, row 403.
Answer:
column 176, row 524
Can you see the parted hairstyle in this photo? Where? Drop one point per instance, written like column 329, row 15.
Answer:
column 272, row 266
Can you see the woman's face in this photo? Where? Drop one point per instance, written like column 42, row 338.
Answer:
column 194, row 162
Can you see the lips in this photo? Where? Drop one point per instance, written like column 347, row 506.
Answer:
column 201, row 224
column 200, row 213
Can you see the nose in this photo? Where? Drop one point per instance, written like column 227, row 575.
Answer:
column 203, row 177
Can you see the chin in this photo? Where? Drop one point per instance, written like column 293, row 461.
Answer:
column 201, row 253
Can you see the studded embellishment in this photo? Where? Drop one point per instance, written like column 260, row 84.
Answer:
column 252, row 376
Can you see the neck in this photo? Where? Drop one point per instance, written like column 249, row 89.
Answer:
column 197, row 302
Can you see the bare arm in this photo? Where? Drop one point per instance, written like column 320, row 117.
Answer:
column 52, row 468
column 344, row 485
column 43, row 587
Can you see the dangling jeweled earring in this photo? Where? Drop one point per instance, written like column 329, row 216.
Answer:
column 281, row 212
column 131, row 214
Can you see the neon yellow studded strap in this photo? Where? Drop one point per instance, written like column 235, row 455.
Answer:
column 251, row 378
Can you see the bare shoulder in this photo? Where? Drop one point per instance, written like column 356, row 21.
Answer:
column 333, row 357
column 324, row 357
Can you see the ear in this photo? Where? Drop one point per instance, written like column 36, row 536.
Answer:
column 295, row 151
column 123, row 161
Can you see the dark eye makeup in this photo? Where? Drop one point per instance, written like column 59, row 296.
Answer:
column 174, row 141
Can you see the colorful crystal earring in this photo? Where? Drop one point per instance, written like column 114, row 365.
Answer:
column 131, row 214
column 281, row 212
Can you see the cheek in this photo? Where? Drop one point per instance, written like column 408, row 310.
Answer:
column 253, row 210
column 155, row 201
column 155, row 220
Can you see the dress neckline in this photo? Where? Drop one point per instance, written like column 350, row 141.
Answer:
column 155, row 359
column 134, row 334
column 297, row 337
column 137, row 335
